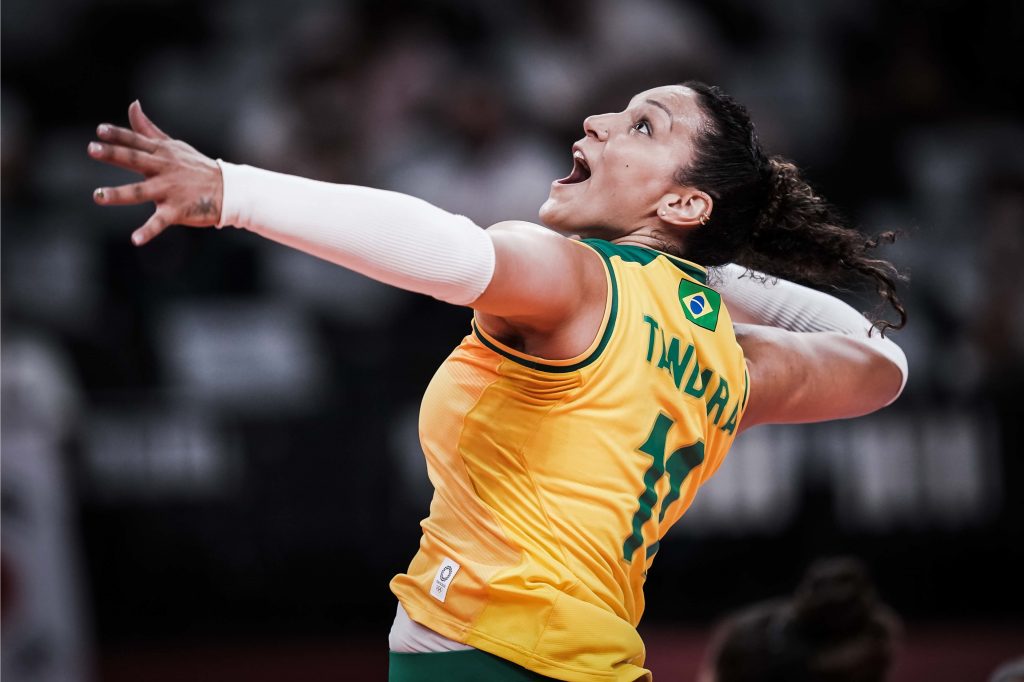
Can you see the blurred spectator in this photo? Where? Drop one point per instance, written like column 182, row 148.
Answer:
column 833, row 629
column 1011, row 672
column 45, row 636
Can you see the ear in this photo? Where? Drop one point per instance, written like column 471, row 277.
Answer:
column 690, row 208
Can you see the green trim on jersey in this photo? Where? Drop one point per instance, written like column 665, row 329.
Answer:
column 640, row 254
column 543, row 366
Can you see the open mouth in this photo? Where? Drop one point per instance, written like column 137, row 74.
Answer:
column 580, row 170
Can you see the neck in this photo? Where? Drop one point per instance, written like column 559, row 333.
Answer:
column 647, row 237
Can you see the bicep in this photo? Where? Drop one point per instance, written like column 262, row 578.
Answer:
column 811, row 377
column 540, row 278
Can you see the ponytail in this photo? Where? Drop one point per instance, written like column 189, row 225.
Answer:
column 767, row 218
column 799, row 236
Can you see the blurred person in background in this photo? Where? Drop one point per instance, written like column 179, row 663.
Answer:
column 603, row 381
column 1009, row 672
column 832, row 629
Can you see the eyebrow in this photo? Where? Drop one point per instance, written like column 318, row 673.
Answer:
column 663, row 108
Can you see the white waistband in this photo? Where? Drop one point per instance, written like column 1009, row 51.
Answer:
column 409, row 637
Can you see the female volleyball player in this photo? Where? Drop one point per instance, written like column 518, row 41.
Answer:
column 602, row 381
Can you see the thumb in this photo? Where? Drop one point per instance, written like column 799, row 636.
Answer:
column 141, row 123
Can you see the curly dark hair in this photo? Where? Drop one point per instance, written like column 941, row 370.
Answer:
column 767, row 218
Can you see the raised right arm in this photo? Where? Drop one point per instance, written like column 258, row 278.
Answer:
column 810, row 356
column 799, row 377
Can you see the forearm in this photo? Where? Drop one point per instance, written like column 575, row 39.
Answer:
column 800, row 377
column 796, row 308
column 393, row 238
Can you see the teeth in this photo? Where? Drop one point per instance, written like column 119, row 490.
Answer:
column 580, row 170
column 578, row 156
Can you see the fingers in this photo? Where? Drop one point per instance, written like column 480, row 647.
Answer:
column 141, row 123
column 137, row 193
column 125, row 157
column 156, row 224
column 125, row 138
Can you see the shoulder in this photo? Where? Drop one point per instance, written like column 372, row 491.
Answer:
column 521, row 227
column 528, row 246
column 522, row 237
column 547, row 293
column 541, row 278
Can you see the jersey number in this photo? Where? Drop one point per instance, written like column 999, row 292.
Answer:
column 678, row 465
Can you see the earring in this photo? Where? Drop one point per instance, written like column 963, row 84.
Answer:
column 704, row 217
column 661, row 212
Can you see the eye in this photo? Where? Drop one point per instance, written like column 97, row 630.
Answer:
column 643, row 126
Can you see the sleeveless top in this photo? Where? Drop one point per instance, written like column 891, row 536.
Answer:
column 555, row 480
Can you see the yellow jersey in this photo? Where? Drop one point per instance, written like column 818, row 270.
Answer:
column 555, row 480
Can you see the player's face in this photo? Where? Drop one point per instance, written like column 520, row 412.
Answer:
column 625, row 165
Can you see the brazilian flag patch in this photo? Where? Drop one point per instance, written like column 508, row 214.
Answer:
column 700, row 304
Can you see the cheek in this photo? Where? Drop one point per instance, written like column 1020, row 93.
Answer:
column 618, row 178
column 635, row 172
column 633, row 188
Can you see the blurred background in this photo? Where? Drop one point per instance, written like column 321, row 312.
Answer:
column 210, row 462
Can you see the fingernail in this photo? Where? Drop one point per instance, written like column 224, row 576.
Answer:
column 103, row 129
column 95, row 147
column 136, row 239
column 99, row 194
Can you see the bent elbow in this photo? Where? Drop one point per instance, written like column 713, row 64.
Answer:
column 896, row 372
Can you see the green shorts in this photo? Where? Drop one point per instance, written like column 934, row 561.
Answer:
column 471, row 665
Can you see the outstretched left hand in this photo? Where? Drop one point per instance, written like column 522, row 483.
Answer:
column 186, row 185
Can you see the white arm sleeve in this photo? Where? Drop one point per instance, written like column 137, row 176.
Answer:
column 394, row 238
column 800, row 309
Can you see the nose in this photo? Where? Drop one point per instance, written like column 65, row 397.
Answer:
column 597, row 126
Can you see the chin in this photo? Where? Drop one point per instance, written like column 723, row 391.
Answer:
column 557, row 216
column 548, row 214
